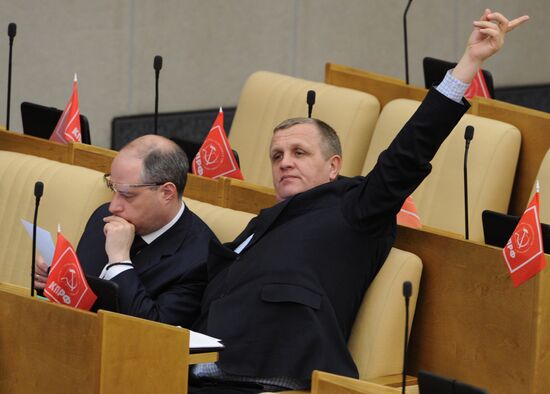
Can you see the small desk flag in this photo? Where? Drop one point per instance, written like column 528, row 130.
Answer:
column 215, row 157
column 478, row 87
column 408, row 215
column 66, row 282
column 68, row 127
column 524, row 253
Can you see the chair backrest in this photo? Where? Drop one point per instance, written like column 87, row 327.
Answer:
column 492, row 161
column 544, row 179
column 268, row 98
column 224, row 222
column 435, row 70
column 40, row 121
column 71, row 194
column 376, row 341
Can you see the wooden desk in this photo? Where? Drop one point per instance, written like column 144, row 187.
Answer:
column 471, row 323
column 49, row 348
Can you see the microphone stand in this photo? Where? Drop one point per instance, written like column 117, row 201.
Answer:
column 157, row 65
column 310, row 99
column 12, row 29
column 407, row 292
column 38, row 190
column 468, row 136
column 406, row 42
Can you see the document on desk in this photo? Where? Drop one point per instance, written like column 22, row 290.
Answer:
column 203, row 343
column 44, row 241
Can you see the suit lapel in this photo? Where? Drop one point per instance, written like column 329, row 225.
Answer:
column 165, row 245
column 264, row 221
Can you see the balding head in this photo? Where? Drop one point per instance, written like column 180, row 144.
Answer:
column 163, row 160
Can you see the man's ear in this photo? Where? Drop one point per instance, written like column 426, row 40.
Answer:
column 335, row 166
column 169, row 191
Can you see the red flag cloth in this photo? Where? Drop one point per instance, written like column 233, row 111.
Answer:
column 523, row 253
column 215, row 157
column 408, row 215
column 478, row 87
column 66, row 282
column 68, row 127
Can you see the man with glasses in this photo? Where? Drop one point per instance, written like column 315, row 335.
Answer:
column 145, row 239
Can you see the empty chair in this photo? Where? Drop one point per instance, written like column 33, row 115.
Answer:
column 492, row 161
column 268, row 98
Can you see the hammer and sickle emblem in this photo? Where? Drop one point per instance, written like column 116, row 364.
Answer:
column 70, row 279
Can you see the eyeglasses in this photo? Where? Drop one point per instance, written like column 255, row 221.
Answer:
column 125, row 187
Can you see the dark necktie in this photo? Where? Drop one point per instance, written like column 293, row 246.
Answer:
column 137, row 246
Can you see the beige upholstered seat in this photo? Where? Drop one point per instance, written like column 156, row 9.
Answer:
column 224, row 222
column 543, row 176
column 492, row 163
column 268, row 98
column 376, row 341
column 71, row 194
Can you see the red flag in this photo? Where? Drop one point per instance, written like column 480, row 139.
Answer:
column 478, row 87
column 408, row 215
column 524, row 253
column 68, row 127
column 215, row 157
column 66, row 283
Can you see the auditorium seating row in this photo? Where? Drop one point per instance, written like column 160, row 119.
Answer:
column 470, row 322
column 465, row 295
column 268, row 98
column 72, row 192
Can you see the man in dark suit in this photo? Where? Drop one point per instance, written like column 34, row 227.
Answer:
column 146, row 240
column 283, row 296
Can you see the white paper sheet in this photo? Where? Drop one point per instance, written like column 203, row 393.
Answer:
column 44, row 242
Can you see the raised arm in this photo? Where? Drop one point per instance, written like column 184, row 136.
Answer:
column 406, row 162
column 486, row 39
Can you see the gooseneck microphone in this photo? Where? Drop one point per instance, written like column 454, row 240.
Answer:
column 38, row 191
column 407, row 292
column 406, row 42
column 468, row 136
column 12, row 30
column 157, row 65
column 310, row 102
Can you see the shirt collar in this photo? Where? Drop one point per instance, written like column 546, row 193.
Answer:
column 155, row 234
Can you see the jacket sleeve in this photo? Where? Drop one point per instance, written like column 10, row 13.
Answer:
column 377, row 198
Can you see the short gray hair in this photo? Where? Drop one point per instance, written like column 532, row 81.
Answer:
column 330, row 143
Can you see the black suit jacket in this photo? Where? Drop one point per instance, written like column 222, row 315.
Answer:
column 169, row 277
column 286, row 304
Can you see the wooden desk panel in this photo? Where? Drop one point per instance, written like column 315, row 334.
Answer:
column 49, row 348
column 471, row 323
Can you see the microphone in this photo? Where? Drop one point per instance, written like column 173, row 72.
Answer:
column 310, row 102
column 12, row 30
column 406, row 42
column 157, row 65
column 468, row 136
column 407, row 292
column 38, row 191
